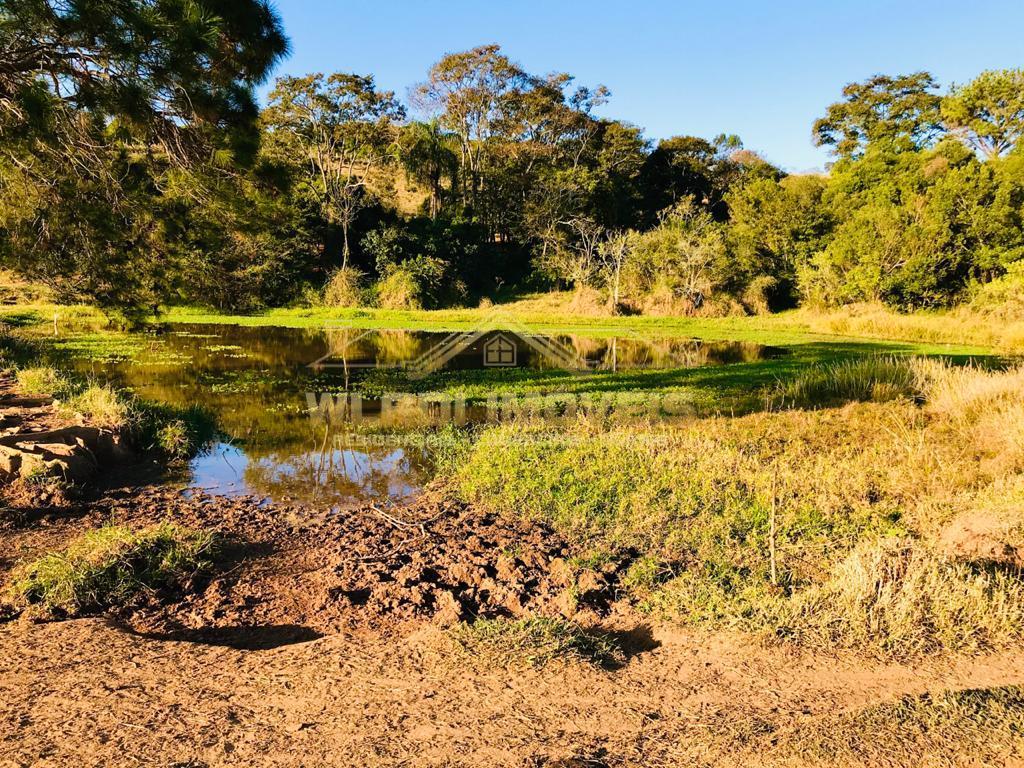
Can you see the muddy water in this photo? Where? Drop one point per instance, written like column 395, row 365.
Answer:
column 255, row 381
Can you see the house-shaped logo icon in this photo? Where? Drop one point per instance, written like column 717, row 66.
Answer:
column 500, row 352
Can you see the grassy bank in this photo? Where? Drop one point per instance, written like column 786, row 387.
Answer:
column 109, row 567
column 934, row 331
column 855, row 526
column 174, row 432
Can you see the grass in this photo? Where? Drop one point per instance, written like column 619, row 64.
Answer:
column 983, row 727
column 110, row 566
column 930, row 333
column 175, row 432
column 898, row 599
column 102, row 406
column 536, row 641
column 42, row 380
column 823, row 527
column 869, row 379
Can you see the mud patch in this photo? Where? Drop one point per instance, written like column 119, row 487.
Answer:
column 320, row 572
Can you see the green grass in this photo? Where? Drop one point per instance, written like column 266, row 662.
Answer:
column 816, row 526
column 876, row 378
column 110, row 566
column 535, row 641
column 43, row 380
column 784, row 329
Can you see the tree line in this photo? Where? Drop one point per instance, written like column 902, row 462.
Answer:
column 136, row 169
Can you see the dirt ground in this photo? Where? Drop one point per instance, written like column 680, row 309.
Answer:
column 322, row 640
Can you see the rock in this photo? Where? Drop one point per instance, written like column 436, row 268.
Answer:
column 10, row 460
column 32, row 465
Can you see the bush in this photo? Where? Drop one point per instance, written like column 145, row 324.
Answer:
column 110, row 566
column 343, row 288
column 1002, row 298
column 399, row 290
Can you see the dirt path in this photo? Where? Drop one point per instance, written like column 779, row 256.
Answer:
column 87, row 693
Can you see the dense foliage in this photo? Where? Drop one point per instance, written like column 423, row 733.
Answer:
column 136, row 170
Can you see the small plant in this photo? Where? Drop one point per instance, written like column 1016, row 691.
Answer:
column 110, row 566
column 536, row 640
column 176, row 433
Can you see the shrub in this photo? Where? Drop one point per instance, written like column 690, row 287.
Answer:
column 110, row 566
column 1002, row 298
column 399, row 290
column 343, row 288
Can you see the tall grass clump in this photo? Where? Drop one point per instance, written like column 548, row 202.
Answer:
column 901, row 600
column 344, row 288
column 110, row 566
column 175, row 432
column 43, row 380
column 869, row 379
column 101, row 405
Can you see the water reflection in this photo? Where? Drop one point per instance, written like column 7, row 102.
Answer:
column 255, row 381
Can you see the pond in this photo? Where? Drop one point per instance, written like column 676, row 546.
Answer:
column 260, row 383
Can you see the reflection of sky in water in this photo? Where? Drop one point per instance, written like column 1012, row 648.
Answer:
column 338, row 478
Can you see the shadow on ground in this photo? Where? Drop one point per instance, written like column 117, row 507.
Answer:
column 242, row 638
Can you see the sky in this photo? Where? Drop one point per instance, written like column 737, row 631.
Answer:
column 763, row 70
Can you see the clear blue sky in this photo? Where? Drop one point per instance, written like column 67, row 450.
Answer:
column 764, row 70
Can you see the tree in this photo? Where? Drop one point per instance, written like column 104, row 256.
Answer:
column 428, row 157
column 154, row 67
column 988, row 112
column 473, row 92
column 614, row 253
column 776, row 226
column 902, row 111
column 104, row 107
column 341, row 127
column 573, row 256
column 685, row 255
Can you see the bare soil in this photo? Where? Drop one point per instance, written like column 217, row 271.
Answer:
column 321, row 640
